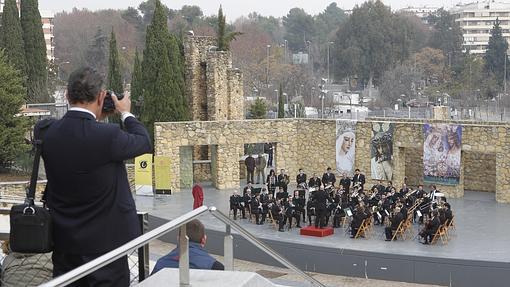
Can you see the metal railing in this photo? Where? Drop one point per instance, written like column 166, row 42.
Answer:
column 184, row 276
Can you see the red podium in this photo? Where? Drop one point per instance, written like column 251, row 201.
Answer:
column 317, row 232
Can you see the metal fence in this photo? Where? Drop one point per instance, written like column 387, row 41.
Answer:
column 18, row 269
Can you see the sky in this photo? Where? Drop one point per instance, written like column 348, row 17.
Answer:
column 237, row 8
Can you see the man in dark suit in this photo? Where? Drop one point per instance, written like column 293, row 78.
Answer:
column 321, row 197
column 430, row 229
column 345, row 182
column 328, row 177
column 88, row 192
column 358, row 178
column 395, row 222
column 314, row 181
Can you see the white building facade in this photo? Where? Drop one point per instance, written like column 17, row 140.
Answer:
column 476, row 21
column 47, row 25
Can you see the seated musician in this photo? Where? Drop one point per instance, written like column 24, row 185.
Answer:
column 256, row 208
column 283, row 180
column 357, row 219
column 236, row 203
column 314, row 181
column 301, row 178
column 246, row 201
column 403, row 191
column 337, row 211
column 396, row 219
column 282, row 194
column 345, row 182
column 265, row 200
column 247, row 188
column 277, row 212
column 403, row 208
column 430, row 228
column 310, row 209
column 448, row 212
column 271, row 182
column 291, row 212
column 299, row 201
column 328, row 178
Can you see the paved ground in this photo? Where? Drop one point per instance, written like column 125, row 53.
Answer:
column 285, row 276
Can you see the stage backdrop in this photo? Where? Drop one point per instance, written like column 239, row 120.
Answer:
column 345, row 147
column 441, row 153
column 381, row 150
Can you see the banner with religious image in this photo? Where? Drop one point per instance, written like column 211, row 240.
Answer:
column 442, row 153
column 381, row 150
column 345, row 147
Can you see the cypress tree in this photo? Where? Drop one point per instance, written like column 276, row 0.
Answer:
column 281, row 106
column 222, row 37
column 35, row 52
column 163, row 76
column 496, row 53
column 97, row 51
column 11, row 37
column 114, row 79
column 13, row 129
column 136, row 85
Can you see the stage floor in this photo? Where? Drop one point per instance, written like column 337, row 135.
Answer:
column 482, row 232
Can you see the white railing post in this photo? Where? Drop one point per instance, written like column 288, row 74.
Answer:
column 183, row 257
column 228, row 249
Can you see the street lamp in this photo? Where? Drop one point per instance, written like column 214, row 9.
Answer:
column 329, row 44
column 267, row 70
column 285, row 45
column 277, row 104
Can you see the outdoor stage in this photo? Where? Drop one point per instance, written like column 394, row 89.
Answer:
column 478, row 254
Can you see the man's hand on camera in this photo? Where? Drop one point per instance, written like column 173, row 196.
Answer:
column 123, row 106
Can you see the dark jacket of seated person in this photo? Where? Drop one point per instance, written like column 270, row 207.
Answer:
column 199, row 258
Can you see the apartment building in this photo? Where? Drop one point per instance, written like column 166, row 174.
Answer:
column 47, row 25
column 422, row 12
column 476, row 21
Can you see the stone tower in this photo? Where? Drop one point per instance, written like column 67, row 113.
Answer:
column 215, row 93
column 215, row 89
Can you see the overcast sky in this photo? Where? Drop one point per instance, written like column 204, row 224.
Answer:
column 236, row 8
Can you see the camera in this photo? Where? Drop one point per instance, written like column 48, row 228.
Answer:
column 109, row 105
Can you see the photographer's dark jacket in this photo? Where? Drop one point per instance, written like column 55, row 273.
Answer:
column 88, row 192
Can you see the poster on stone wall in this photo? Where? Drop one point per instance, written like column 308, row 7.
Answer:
column 441, row 153
column 381, row 150
column 345, row 147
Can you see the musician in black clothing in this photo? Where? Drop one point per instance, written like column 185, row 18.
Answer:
column 271, row 181
column 236, row 203
column 256, row 208
column 357, row 219
column 301, row 177
column 314, row 181
column 328, row 177
column 247, row 188
column 358, row 178
column 345, row 182
column 395, row 222
column 310, row 209
column 246, row 202
column 321, row 198
column 431, row 228
column 276, row 211
column 448, row 213
column 300, row 202
column 291, row 212
column 283, row 180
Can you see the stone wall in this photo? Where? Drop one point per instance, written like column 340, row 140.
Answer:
column 18, row 188
column 479, row 171
column 310, row 144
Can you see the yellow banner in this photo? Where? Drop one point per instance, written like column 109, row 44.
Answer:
column 143, row 169
column 162, row 172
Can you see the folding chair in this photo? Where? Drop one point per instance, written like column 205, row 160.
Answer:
column 362, row 229
column 441, row 234
column 273, row 221
column 399, row 231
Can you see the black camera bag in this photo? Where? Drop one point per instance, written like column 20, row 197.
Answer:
column 31, row 228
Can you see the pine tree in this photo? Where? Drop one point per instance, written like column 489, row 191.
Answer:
column 114, row 80
column 258, row 109
column 35, row 52
column 496, row 53
column 11, row 36
column 13, row 128
column 281, row 106
column 162, row 74
column 136, row 85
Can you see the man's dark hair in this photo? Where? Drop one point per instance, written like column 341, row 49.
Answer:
column 195, row 230
column 357, row 169
column 84, row 85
